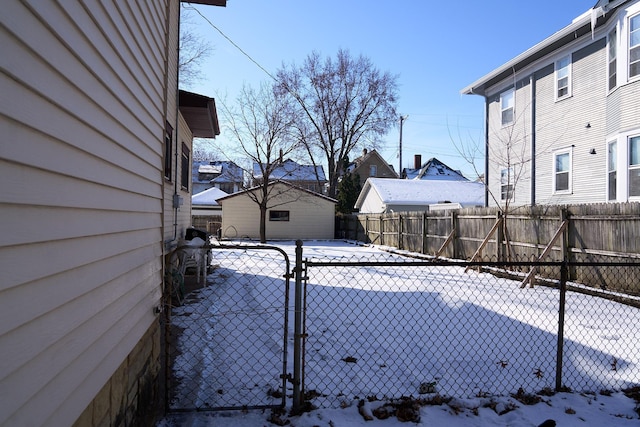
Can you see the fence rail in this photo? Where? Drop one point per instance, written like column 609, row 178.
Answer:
column 593, row 233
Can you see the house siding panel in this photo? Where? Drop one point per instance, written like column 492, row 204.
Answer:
column 85, row 127
column 311, row 216
column 562, row 124
column 629, row 98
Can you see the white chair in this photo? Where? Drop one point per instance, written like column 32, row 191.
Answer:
column 191, row 253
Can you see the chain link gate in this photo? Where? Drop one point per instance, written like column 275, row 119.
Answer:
column 227, row 344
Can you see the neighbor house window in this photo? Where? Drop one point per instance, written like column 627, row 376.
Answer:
column 506, row 184
column 168, row 149
column 506, row 106
column 562, row 172
column 278, row 215
column 373, row 170
column 227, row 187
column 563, row 77
column 634, row 166
column 185, row 169
column 634, row 46
column 612, row 170
column 612, row 51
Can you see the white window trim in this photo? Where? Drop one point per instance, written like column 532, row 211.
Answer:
column 509, row 183
column 617, row 46
column 513, row 106
column 628, row 166
column 557, row 153
column 569, row 77
column 623, row 156
column 616, row 170
column 630, row 15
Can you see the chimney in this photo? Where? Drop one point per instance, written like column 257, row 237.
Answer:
column 417, row 161
column 364, row 152
column 281, row 159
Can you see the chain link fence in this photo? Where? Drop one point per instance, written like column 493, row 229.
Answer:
column 394, row 327
column 227, row 341
column 373, row 324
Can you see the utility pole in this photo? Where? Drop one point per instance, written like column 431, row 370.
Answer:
column 402, row 119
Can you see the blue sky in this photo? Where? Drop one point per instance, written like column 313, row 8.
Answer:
column 436, row 49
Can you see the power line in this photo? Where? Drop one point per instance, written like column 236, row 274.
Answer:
column 231, row 41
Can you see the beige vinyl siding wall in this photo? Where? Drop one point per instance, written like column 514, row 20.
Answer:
column 311, row 216
column 81, row 200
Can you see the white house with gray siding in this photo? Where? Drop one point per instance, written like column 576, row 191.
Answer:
column 562, row 120
column 94, row 146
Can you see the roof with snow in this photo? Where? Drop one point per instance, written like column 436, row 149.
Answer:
column 289, row 170
column 216, row 171
column 403, row 192
column 208, row 197
column 433, row 169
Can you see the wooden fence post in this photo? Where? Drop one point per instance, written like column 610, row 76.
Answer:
column 400, row 232
column 382, row 229
column 366, row 229
column 424, row 232
column 564, row 216
column 454, row 227
column 500, row 240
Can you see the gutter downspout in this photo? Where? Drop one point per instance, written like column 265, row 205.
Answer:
column 176, row 203
column 165, row 109
column 532, row 83
column 486, row 151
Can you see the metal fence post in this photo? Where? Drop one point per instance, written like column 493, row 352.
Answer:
column 297, row 332
column 561, row 310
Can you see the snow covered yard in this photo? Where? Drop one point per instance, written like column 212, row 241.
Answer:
column 381, row 332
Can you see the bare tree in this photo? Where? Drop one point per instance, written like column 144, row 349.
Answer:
column 194, row 49
column 260, row 125
column 343, row 103
column 509, row 154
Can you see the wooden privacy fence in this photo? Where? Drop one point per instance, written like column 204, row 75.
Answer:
column 595, row 233
column 210, row 223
